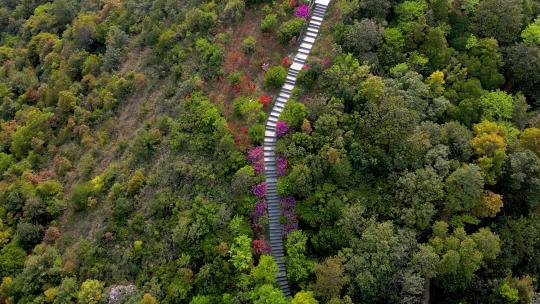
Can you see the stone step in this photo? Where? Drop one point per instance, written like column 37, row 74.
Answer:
column 309, row 40
column 315, row 22
column 306, row 45
column 301, row 56
column 279, row 257
column 284, row 95
column 287, row 87
column 314, row 25
column 295, row 68
column 314, row 28
column 303, row 51
column 292, row 78
column 297, row 60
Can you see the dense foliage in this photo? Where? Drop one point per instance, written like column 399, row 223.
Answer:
column 131, row 169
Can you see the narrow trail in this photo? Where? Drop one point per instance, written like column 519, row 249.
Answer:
column 318, row 10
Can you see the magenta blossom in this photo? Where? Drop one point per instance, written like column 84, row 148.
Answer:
column 282, row 165
column 282, row 128
column 302, row 11
column 289, row 217
column 255, row 154
column 288, row 228
column 260, row 210
column 288, row 202
column 259, row 215
column 259, row 190
column 258, row 166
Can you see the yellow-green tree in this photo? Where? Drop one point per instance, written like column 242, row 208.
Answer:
column 489, row 145
column 90, row 292
column 530, row 139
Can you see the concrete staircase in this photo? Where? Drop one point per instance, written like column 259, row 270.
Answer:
column 318, row 10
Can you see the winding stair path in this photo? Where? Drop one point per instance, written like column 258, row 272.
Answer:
column 318, row 11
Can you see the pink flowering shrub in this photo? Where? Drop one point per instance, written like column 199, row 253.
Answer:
column 256, row 157
column 260, row 210
column 291, row 222
column 258, row 166
column 259, row 216
column 259, row 190
column 290, row 218
column 255, row 154
column 261, row 247
column 282, row 128
column 302, row 11
column 282, row 165
column 287, row 202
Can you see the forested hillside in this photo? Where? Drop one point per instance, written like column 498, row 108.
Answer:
column 132, row 171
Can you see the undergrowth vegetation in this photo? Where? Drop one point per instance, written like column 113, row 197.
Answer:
column 131, row 167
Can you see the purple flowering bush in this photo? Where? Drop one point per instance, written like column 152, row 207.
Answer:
column 282, row 128
column 256, row 157
column 260, row 210
column 259, row 215
column 289, row 217
column 258, row 166
column 259, row 190
column 302, row 11
column 282, row 165
column 255, row 154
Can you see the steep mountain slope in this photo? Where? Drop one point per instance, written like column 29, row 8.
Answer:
column 132, row 167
